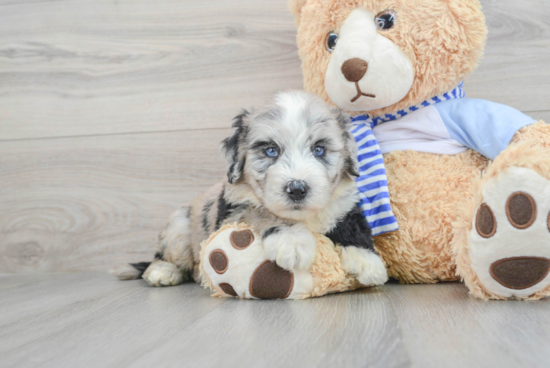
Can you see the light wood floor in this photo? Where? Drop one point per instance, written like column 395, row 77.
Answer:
column 94, row 320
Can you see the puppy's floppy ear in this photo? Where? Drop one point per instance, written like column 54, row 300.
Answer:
column 296, row 9
column 234, row 147
column 351, row 166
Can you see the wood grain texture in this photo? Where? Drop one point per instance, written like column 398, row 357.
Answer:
column 94, row 320
column 515, row 70
column 99, row 67
column 111, row 111
column 444, row 327
column 91, row 202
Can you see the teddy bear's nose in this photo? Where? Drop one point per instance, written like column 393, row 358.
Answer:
column 354, row 69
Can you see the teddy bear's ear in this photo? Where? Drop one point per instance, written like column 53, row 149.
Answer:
column 296, row 9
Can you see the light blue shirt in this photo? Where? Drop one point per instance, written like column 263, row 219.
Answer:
column 451, row 127
column 484, row 126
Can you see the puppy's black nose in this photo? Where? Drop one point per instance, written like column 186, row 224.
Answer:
column 297, row 190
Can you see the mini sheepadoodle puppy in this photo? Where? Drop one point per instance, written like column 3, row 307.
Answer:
column 291, row 171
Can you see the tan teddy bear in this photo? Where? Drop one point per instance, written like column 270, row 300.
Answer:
column 468, row 179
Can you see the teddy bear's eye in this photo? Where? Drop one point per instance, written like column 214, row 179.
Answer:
column 386, row 19
column 332, row 38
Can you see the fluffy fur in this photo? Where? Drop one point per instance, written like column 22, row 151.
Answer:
column 425, row 191
column 529, row 149
column 326, row 271
column 434, row 197
column 443, row 39
column 295, row 139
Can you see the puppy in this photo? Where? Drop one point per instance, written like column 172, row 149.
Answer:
column 291, row 172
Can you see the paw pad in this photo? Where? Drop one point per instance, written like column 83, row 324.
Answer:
column 486, row 224
column 241, row 239
column 521, row 210
column 510, row 241
column 228, row 289
column 219, row 261
column 520, row 272
column 270, row 281
column 235, row 264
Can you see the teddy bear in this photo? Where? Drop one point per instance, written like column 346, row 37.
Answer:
column 233, row 263
column 468, row 194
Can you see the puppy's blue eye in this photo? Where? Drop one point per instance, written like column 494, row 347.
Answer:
column 271, row 152
column 318, row 151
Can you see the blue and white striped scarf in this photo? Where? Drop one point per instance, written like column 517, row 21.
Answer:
column 372, row 182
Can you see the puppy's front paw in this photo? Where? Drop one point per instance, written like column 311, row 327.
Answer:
column 365, row 265
column 291, row 247
column 161, row 273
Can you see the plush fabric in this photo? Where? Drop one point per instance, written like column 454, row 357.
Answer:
column 425, row 191
column 437, row 198
column 443, row 39
column 530, row 148
column 250, row 275
column 372, row 182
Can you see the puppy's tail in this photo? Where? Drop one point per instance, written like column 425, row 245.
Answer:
column 130, row 271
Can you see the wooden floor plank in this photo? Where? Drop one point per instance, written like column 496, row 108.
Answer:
column 89, row 203
column 340, row 330
column 540, row 115
column 515, row 70
column 101, row 67
column 442, row 324
column 94, row 320
column 84, row 67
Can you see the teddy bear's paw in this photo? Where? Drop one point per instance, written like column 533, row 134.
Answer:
column 235, row 262
column 291, row 247
column 160, row 273
column 510, row 237
column 366, row 266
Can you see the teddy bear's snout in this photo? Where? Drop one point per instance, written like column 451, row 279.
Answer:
column 354, row 69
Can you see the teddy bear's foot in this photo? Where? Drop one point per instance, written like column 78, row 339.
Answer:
column 234, row 263
column 509, row 246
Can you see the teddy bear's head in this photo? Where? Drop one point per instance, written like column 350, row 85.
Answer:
column 381, row 56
